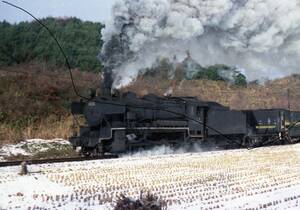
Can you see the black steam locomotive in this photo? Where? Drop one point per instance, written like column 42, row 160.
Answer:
column 121, row 123
column 125, row 122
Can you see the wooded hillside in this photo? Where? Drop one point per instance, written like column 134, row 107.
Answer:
column 29, row 41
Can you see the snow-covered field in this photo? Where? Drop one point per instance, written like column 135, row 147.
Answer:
column 239, row 179
column 32, row 147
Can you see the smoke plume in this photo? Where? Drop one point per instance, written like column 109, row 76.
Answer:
column 260, row 36
column 167, row 150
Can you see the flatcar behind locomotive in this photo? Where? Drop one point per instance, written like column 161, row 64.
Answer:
column 118, row 124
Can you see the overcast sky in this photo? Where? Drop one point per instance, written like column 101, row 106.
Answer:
column 93, row 10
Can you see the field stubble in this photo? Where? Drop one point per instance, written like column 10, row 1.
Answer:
column 239, row 179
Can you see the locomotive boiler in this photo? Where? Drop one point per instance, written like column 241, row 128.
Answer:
column 125, row 122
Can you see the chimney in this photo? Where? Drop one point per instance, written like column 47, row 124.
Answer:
column 107, row 83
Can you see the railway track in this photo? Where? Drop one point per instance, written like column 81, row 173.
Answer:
column 56, row 160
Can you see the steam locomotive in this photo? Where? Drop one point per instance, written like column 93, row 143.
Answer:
column 124, row 122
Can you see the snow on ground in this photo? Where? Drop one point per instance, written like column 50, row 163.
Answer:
column 266, row 178
column 30, row 147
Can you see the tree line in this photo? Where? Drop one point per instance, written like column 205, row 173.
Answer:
column 30, row 42
column 81, row 41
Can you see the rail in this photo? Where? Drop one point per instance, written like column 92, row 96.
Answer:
column 58, row 160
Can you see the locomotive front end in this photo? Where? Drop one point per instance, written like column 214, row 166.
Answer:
column 101, row 117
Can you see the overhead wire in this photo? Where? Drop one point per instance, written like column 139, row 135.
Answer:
column 55, row 39
column 106, row 102
column 293, row 125
column 175, row 113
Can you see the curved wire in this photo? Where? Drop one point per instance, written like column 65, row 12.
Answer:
column 172, row 112
column 57, row 42
column 293, row 125
column 105, row 102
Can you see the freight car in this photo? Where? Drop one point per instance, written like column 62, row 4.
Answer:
column 125, row 122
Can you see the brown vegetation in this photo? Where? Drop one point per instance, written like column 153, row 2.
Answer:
column 273, row 94
column 35, row 99
column 148, row 202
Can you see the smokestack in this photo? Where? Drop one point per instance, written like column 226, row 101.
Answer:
column 107, row 82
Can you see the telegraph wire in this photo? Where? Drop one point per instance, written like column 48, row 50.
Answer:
column 72, row 79
column 55, row 39
column 106, row 102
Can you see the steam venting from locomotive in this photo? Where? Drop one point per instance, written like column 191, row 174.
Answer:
column 262, row 37
column 166, row 150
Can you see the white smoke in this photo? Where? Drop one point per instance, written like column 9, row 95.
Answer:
column 261, row 36
column 167, row 150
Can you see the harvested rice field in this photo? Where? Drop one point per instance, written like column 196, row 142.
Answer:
column 263, row 178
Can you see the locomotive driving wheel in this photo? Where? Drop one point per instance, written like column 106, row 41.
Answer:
column 249, row 142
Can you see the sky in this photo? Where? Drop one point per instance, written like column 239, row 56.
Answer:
column 92, row 10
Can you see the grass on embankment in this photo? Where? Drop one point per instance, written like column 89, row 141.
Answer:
column 35, row 99
column 35, row 102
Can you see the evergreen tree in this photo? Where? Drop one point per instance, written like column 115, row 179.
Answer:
column 29, row 41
